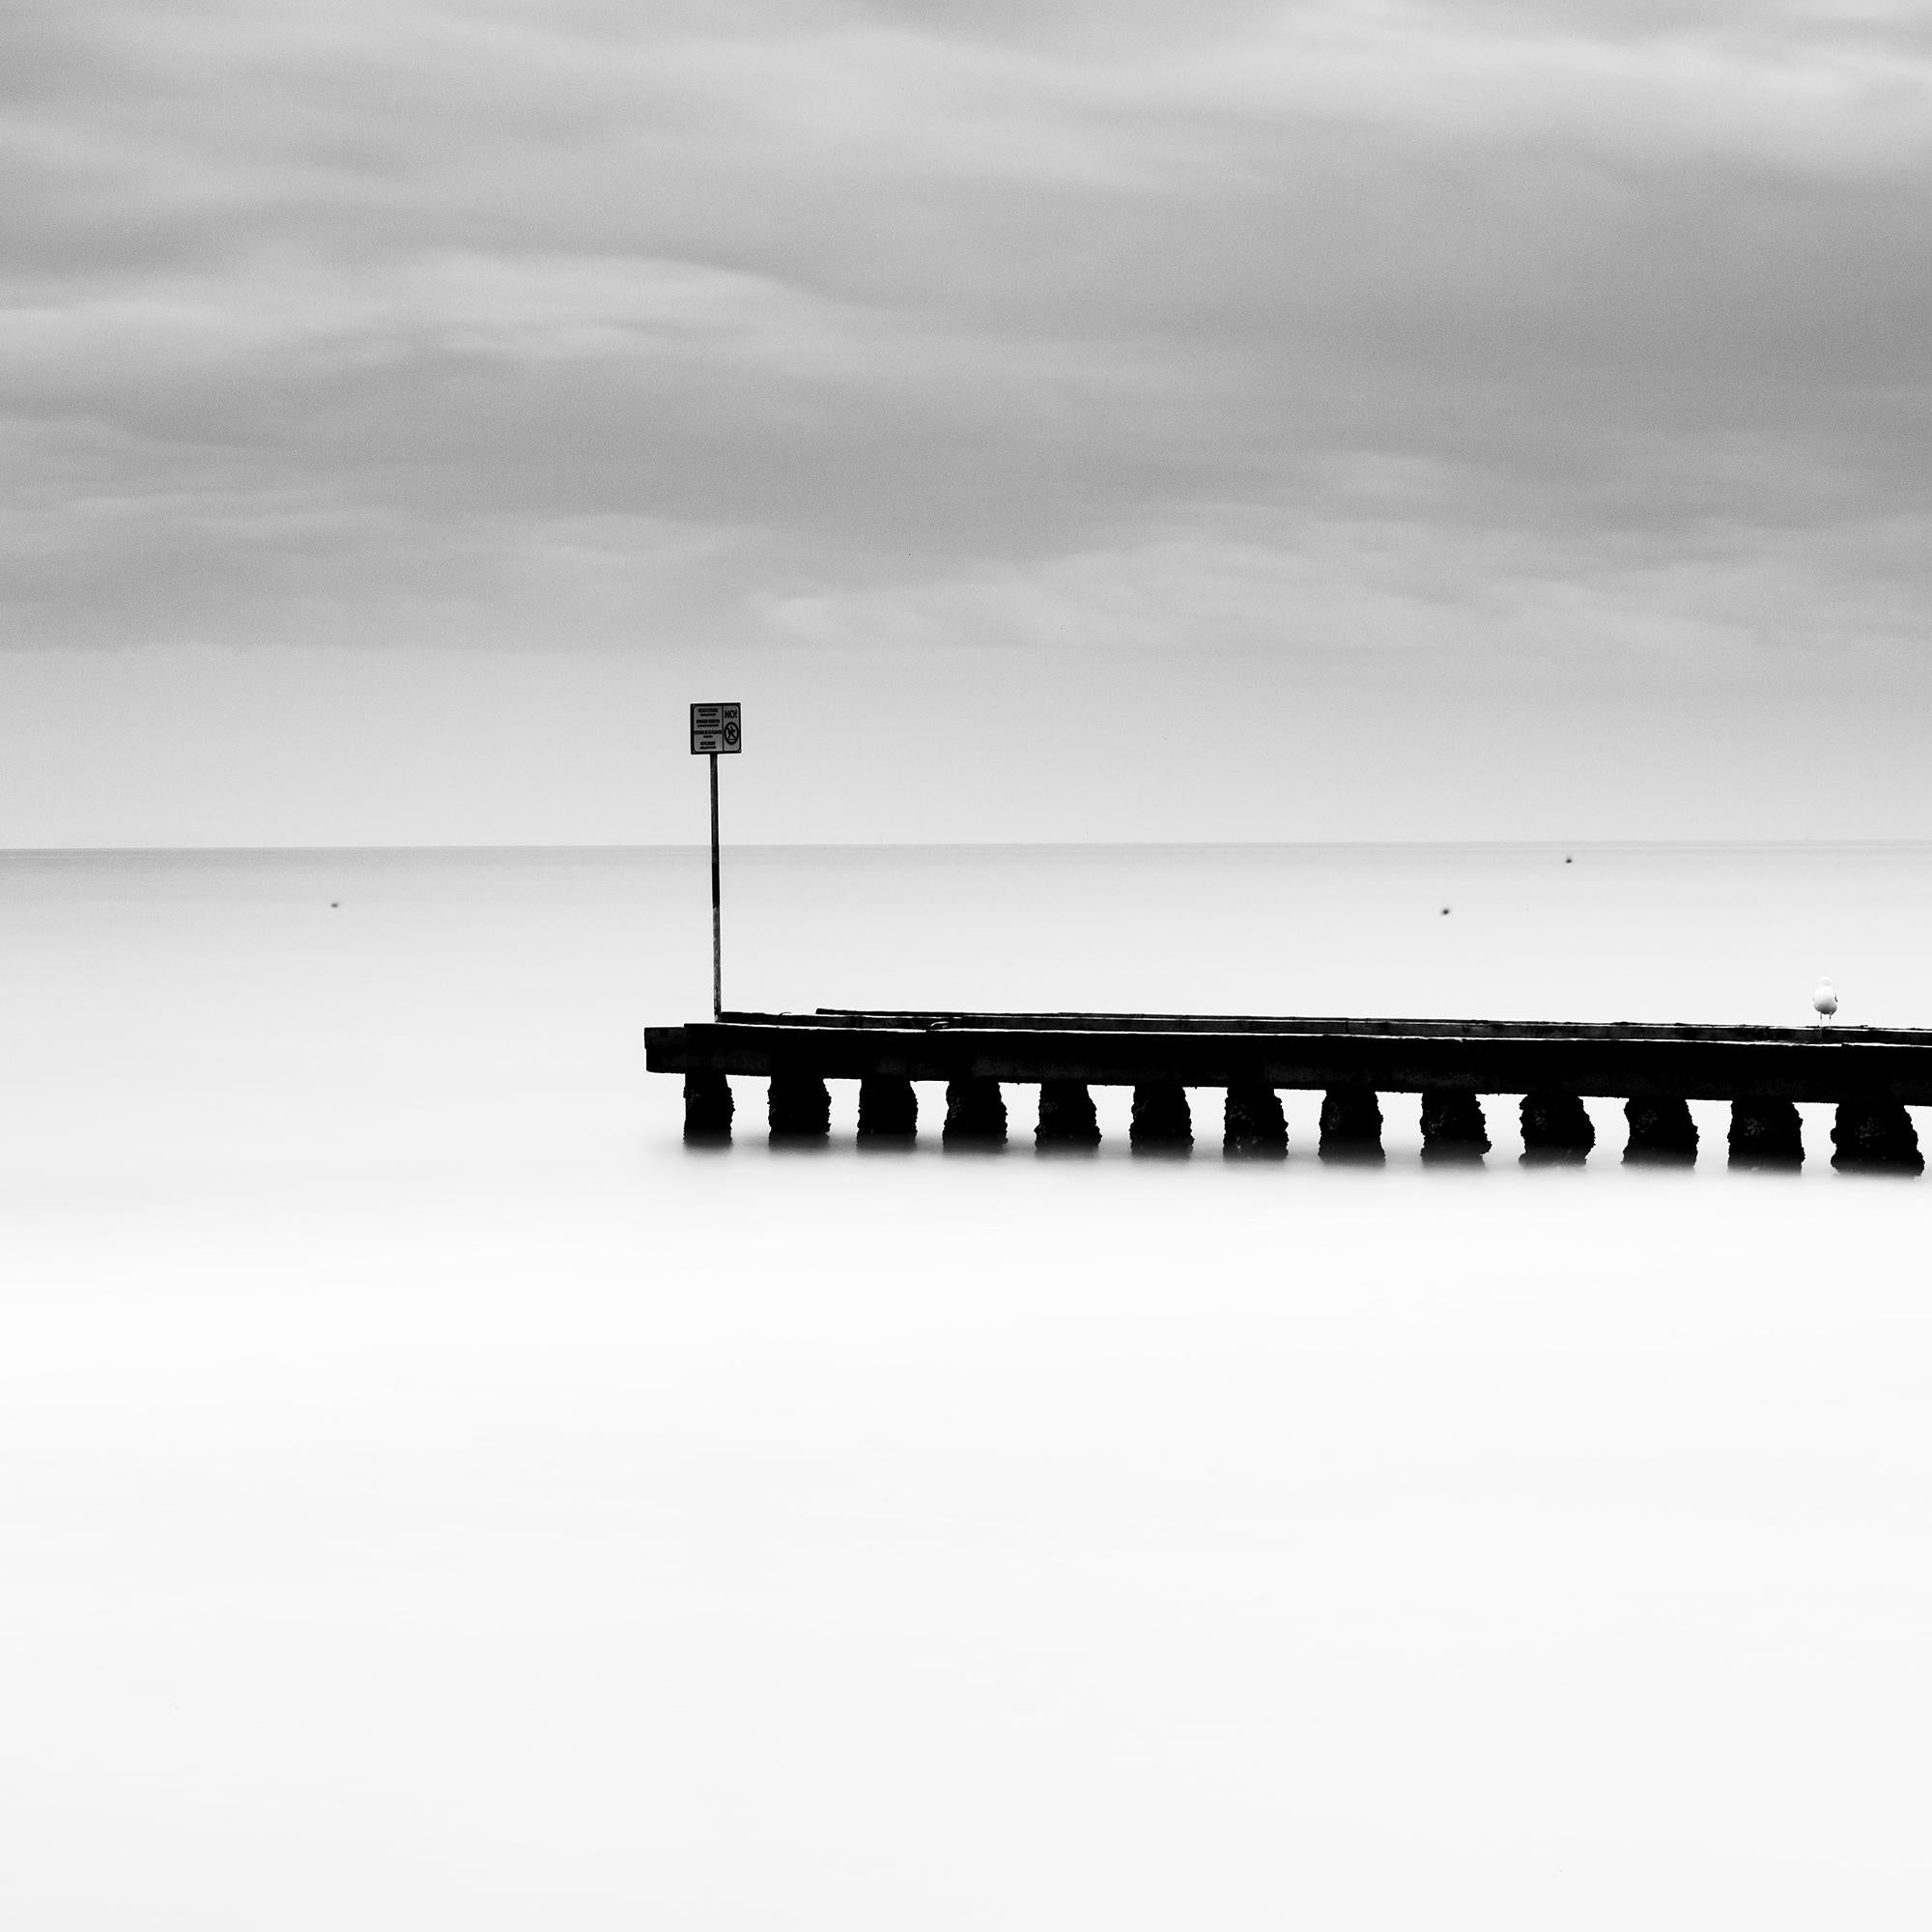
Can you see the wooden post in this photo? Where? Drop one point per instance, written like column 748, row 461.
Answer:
column 1875, row 1133
column 1453, row 1127
column 1765, row 1133
column 1252, row 1124
column 1162, row 1122
column 707, row 1107
column 1660, row 1130
column 1351, row 1124
column 888, row 1109
column 976, row 1114
column 798, row 1107
column 1556, row 1127
column 1066, row 1116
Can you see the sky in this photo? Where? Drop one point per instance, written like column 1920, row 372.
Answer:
column 1051, row 421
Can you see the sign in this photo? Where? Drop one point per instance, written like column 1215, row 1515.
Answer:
column 715, row 729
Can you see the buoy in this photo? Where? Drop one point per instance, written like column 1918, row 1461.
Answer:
column 1825, row 1001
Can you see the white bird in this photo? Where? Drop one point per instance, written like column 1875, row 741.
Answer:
column 1825, row 1001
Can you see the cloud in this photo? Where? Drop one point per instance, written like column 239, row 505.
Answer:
column 968, row 323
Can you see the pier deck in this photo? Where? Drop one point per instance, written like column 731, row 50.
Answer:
column 1619, row 1060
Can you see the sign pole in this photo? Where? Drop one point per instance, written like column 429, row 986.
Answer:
column 716, row 933
column 716, row 728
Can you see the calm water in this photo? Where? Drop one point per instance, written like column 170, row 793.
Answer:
column 430, row 1496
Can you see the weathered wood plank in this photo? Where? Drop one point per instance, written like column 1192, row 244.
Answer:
column 1627, row 1061
column 1070, row 1022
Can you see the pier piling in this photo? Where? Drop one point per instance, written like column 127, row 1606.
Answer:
column 1766, row 1134
column 1453, row 1127
column 888, row 1108
column 976, row 1115
column 1161, row 1121
column 1252, row 1126
column 1660, row 1131
column 1066, row 1116
column 707, row 1107
column 1877, row 1135
column 798, row 1107
column 1557, row 1128
column 1351, row 1124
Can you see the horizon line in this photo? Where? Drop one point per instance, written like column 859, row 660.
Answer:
column 554, row 848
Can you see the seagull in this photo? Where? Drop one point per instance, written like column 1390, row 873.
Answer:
column 1825, row 1001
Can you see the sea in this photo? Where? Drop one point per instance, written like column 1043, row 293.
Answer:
column 430, row 1495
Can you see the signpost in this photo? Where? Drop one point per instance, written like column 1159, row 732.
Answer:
column 716, row 728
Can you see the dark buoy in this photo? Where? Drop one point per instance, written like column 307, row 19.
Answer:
column 1067, row 1115
column 888, row 1108
column 1161, row 1121
column 1557, row 1128
column 1453, row 1127
column 798, row 1107
column 1765, row 1133
column 1660, row 1131
column 1351, row 1124
column 976, row 1114
column 707, row 1107
column 1877, row 1135
column 1253, row 1126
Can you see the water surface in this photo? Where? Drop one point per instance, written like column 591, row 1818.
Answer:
column 430, row 1495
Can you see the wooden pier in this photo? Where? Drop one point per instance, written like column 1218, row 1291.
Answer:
column 1870, row 1074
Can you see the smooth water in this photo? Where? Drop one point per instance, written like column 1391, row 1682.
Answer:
column 428, row 1495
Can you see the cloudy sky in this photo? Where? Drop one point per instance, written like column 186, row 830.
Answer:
column 1095, row 419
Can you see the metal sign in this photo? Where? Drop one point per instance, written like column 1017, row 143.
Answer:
column 715, row 728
